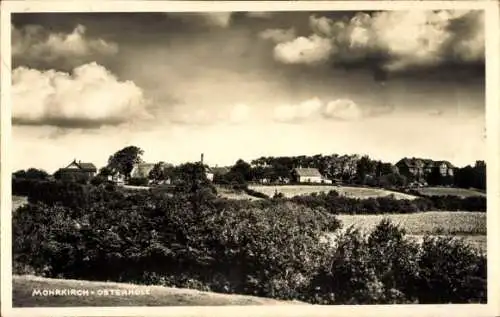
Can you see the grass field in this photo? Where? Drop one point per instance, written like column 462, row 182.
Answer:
column 443, row 191
column 353, row 192
column 471, row 226
column 24, row 285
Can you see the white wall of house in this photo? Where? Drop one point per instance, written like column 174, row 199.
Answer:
column 310, row 179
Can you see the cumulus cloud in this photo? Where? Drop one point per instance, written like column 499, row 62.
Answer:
column 342, row 109
column 278, row 35
column 399, row 39
column 33, row 43
column 298, row 112
column 338, row 109
column 196, row 116
column 304, row 50
column 88, row 97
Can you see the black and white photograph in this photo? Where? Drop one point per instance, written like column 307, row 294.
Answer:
column 220, row 158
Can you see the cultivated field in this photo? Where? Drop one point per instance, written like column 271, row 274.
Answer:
column 470, row 226
column 24, row 285
column 443, row 191
column 353, row 192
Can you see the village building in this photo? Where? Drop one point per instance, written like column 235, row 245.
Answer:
column 413, row 168
column 141, row 170
column 306, row 175
column 419, row 170
column 77, row 170
column 445, row 168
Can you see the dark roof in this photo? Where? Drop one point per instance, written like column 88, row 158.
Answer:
column 87, row 167
column 412, row 162
column 307, row 172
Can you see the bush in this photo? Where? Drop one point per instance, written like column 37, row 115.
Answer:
column 349, row 277
column 270, row 248
column 395, row 260
column 383, row 267
column 136, row 181
column 229, row 247
column 335, row 204
column 451, row 272
column 257, row 194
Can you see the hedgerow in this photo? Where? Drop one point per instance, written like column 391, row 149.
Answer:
column 337, row 204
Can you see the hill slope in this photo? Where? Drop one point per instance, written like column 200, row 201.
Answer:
column 24, row 286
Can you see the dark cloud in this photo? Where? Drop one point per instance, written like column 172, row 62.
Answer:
column 380, row 40
column 67, row 123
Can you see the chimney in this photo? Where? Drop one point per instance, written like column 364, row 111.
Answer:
column 201, row 159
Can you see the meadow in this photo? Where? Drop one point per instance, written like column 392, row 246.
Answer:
column 443, row 191
column 347, row 191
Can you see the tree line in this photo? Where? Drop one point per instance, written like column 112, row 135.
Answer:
column 349, row 169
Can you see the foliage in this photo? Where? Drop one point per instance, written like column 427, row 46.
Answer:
column 31, row 173
column 334, row 203
column 138, row 181
column 451, row 272
column 123, row 160
column 269, row 251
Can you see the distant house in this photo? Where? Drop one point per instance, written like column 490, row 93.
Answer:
column 117, row 178
column 412, row 168
column 306, row 175
column 420, row 169
column 445, row 168
column 209, row 174
column 77, row 170
column 213, row 172
column 141, row 170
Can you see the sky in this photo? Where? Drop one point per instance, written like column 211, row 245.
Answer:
column 232, row 85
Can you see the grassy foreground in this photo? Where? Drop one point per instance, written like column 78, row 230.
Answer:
column 24, row 285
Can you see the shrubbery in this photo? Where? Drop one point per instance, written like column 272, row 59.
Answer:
column 268, row 248
column 383, row 268
column 137, row 181
column 336, row 204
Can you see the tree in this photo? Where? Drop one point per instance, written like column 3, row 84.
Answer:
column 123, row 161
column 244, row 169
column 105, row 172
column 364, row 167
column 157, row 173
column 31, row 173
